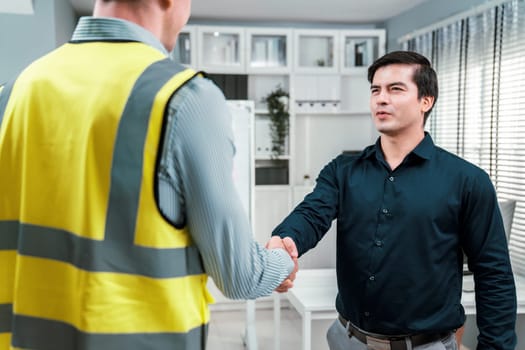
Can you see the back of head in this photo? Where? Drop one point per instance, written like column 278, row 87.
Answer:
column 133, row 4
column 425, row 76
column 163, row 18
column 125, row 9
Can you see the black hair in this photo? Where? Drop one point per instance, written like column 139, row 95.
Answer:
column 424, row 77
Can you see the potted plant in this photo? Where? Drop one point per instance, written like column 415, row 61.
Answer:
column 277, row 104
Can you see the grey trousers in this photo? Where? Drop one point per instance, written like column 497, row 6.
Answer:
column 338, row 339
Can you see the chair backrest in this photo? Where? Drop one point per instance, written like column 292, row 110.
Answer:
column 517, row 243
column 507, row 208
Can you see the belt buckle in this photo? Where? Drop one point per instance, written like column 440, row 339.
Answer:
column 377, row 344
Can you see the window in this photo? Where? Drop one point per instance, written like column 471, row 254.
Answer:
column 479, row 114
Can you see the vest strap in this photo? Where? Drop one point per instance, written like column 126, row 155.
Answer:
column 6, row 317
column 126, row 170
column 32, row 332
column 50, row 243
column 8, row 235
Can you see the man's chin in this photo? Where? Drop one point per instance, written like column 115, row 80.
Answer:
column 385, row 129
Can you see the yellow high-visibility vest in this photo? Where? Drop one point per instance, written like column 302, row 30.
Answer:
column 87, row 260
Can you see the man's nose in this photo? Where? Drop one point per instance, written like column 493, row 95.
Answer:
column 382, row 97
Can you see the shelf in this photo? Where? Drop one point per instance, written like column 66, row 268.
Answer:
column 360, row 48
column 276, row 173
column 260, row 86
column 270, row 157
column 221, row 49
column 269, row 50
column 316, row 50
column 316, row 113
column 276, row 188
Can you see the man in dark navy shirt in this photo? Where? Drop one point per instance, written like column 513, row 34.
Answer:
column 406, row 210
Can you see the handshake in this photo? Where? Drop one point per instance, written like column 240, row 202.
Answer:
column 289, row 246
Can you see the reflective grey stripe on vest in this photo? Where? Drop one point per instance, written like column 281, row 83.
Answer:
column 52, row 335
column 6, row 316
column 117, row 253
column 126, row 170
column 8, row 235
column 99, row 256
column 5, row 93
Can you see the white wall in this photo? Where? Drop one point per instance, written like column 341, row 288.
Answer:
column 65, row 21
column 24, row 38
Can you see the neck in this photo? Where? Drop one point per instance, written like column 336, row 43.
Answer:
column 396, row 148
column 143, row 13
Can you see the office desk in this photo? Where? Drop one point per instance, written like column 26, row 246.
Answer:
column 314, row 292
column 313, row 296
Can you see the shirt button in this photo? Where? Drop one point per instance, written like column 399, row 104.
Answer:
column 391, row 178
column 385, row 211
column 372, row 278
column 379, row 243
column 367, row 314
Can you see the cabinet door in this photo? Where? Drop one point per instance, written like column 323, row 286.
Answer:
column 272, row 205
column 268, row 50
column 185, row 48
column 316, row 51
column 360, row 48
column 221, row 49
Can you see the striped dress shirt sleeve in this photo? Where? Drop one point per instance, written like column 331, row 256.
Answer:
column 196, row 188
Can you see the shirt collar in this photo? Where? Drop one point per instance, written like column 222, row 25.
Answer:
column 114, row 29
column 424, row 150
column 426, row 147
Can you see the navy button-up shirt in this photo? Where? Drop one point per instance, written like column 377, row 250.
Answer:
column 400, row 241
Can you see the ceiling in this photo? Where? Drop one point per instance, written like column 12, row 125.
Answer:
column 323, row 11
column 18, row 7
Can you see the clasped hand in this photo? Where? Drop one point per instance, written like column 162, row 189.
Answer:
column 288, row 245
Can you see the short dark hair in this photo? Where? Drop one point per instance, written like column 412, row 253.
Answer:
column 424, row 77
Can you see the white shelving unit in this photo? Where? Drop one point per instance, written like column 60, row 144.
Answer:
column 269, row 50
column 325, row 73
column 221, row 49
column 186, row 47
column 360, row 47
column 317, row 51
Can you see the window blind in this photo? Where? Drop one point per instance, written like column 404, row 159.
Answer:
column 480, row 62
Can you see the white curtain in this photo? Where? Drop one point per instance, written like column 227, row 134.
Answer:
column 480, row 112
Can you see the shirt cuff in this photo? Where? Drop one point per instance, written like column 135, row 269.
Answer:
column 286, row 261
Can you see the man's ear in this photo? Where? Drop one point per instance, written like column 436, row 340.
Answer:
column 166, row 3
column 426, row 103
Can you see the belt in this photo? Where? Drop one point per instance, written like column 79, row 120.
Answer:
column 387, row 342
